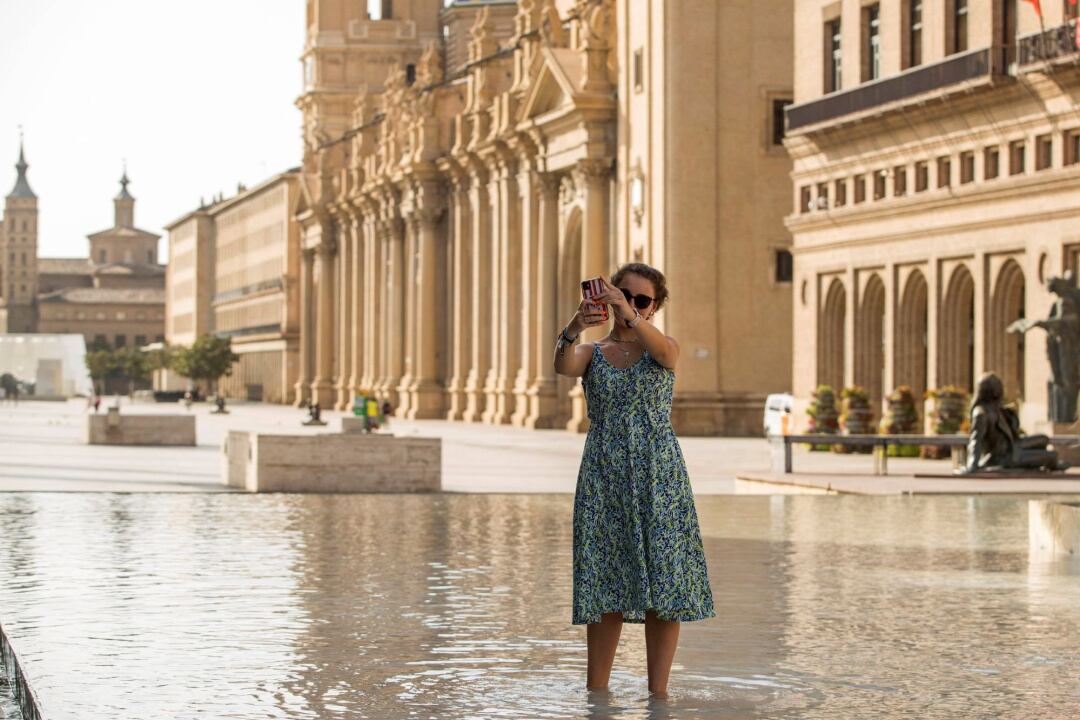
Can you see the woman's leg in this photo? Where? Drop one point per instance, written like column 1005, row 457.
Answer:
column 661, row 639
column 603, row 639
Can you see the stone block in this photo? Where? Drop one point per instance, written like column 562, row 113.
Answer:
column 1053, row 528
column 115, row 428
column 332, row 463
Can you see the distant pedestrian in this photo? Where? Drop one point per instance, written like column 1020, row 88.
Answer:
column 637, row 550
column 188, row 400
column 97, row 403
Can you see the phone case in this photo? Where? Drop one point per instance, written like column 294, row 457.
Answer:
column 590, row 289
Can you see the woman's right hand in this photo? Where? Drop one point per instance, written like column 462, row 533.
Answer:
column 589, row 314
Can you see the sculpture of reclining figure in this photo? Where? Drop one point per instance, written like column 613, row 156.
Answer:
column 996, row 442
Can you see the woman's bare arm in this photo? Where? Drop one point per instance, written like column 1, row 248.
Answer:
column 570, row 359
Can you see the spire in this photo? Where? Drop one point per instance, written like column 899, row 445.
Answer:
column 124, row 194
column 22, row 186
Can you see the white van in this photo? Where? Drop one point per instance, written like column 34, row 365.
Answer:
column 777, row 419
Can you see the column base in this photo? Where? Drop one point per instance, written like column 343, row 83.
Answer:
column 322, row 392
column 404, row 397
column 455, row 400
column 427, row 401
column 341, row 391
column 300, row 394
column 712, row 414
column 543, row 405
column 520, row 400
column 494, row 406
column 474, row 398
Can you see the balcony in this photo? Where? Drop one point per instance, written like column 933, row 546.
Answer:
column 1054, row 44
column 971, row 66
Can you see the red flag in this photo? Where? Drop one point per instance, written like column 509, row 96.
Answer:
column 1035, row 4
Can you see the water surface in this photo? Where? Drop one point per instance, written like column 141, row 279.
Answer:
column 445, row 606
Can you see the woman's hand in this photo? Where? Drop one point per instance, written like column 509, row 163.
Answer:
column 614, row 297
column 589, row 314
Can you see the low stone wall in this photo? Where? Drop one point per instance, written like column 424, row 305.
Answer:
column 114, row 428
column 1053, row 528
column 332, row 463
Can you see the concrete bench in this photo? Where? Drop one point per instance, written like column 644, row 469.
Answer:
column 332, row 463
column 115, row 428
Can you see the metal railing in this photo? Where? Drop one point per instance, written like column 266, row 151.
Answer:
column 916, row 81
column 1052, row 44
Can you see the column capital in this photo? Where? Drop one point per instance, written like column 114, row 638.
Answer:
column 594, row 169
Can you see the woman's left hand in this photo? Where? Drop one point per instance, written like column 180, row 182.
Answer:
column 614, row 297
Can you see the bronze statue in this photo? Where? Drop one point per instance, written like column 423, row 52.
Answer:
column 1062, row 328
column 996, row 441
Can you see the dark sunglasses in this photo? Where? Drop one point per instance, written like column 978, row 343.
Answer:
column 640, row 301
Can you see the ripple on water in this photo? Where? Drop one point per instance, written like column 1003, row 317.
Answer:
column 185, row 606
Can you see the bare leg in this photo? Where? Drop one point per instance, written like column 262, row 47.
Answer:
column 661, row 639
column 603, row 640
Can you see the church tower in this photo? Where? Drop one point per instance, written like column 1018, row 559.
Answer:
column 18, row 255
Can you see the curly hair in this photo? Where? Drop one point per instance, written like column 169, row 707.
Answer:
column 659, row 282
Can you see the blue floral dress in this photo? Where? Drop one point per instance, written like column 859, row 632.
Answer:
column 637, row 545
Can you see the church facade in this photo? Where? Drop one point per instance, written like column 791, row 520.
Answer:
column 113, row 298
column 466, row 167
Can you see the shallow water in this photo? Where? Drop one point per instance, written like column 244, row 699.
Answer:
column 445, row 606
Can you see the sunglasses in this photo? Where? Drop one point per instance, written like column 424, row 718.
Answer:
column 639, row 301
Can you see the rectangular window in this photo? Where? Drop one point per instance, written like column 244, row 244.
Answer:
column 1017, row 161
column 991, row 162
column 860, row 188
column 121, row 341
column 1072, row 147
column 833, row 57
column 840, row 193
column 899, row 181
column 944, row 171
column 101, row 256
column 785, row 266
column 823, row 196
column 960, row 26
column 1044, row 152
column 804, row 199
column 778, row 123
column 915, row 28
column 967, row 167
column 140, row 340
column 879, row 184
column 922, row 176
column 639, row 70
column 871, row 61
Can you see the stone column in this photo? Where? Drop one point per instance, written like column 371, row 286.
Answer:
column 426, row 391
column 394, row 316
column 508, row 297
column 526, row 301
column 372, row 306
column 344, row 313
column 480, row 303
column 492, row 296
column 322, row 390
column 460, row 300
column 307, row 339
column 596, row 174
column 408, row 314
column 543, row 400
column 356, row 331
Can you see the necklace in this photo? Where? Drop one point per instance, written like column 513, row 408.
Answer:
column 625, row 352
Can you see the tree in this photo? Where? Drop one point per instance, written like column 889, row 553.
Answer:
column 99, row 363
column 9, row 383
column 134, row 363
column 209, row 358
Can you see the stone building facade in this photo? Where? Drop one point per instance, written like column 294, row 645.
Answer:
column 936, row 150
column 115, row 297
column 456, row 190
column 233, row 272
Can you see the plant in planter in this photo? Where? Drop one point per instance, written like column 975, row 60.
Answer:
column 901, row 418
column 823, row 414
column 948, row 417
column 857, row 417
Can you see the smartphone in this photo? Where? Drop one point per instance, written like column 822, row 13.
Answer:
column 590, row 289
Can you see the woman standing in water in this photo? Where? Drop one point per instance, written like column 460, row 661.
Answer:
column 638, row 555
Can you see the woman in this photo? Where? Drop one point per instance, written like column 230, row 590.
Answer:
column 638, row 555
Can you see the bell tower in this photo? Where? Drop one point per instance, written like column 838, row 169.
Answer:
column 18, row 254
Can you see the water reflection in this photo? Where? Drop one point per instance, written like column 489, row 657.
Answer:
column 458, row 606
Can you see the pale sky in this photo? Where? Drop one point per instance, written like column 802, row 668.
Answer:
column 197, row 95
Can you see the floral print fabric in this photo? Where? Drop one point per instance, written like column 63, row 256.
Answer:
column 637, row 544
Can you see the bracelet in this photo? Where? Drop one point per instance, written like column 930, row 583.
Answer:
column 566, row 338
column 634, row 322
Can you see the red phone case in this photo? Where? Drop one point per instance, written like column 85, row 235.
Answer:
column 590, row 289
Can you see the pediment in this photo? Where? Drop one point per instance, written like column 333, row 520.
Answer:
column 553, row 84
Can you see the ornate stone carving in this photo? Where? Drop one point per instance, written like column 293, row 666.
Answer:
column 551, row 29
column 429, row 71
